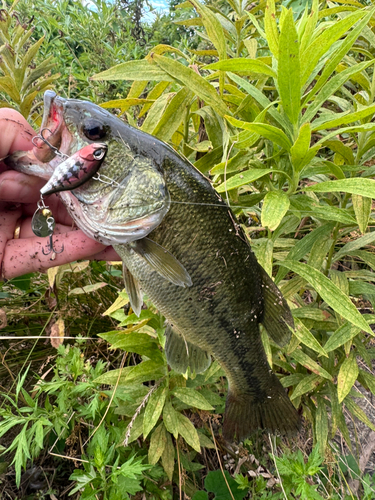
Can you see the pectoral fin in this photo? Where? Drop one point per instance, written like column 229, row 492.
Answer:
column 133, row 289
column 276, row 316
column 182, row 355
column 162, row 261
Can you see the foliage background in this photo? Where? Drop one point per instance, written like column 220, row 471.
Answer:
column 278, row 103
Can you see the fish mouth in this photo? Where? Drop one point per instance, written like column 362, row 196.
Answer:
column 53, row 131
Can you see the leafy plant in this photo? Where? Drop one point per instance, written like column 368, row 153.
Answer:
column 22, row 80
column 273, row 147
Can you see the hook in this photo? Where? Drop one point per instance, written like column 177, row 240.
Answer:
column 54, row 149
column 51, row 249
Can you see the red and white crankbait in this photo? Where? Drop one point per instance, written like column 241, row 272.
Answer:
column 76, row 170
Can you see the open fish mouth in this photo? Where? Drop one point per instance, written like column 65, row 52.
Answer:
column 54, row 135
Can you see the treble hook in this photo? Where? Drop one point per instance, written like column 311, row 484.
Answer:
column 51, row 249
column 54, row 149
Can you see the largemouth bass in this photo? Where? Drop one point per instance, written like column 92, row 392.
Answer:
column 181, row 245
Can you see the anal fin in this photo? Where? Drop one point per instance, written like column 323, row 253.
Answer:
column 277, row 317
column 162, row 261
column 182, row 354
column 133, row 290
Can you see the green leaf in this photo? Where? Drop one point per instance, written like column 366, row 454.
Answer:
column 307, row 338
column 321, row 426
column 310, row 364
column 192, row 398
column 140, row 70
column 87, row 288
column 358, row 412
column 367, row 239
column 242, row 65
column 213, row 27
column 368, row 380
column 201, row 87
column 172, row 115
column 141, row 343
column 331, row 87
column 289, row 69
column 270, row 28
column 347, row 376
column 224, row 488
column 330, row 293
column 167, row 458
column 362, row 209
column 342, row 119
column 244, row 178
column 341, row 51
column 343, row 334
column 322, row 43
column 153, row 410
column 187, row 430
column 303, row 246
column 359, row 186
column 260, row 98
column 300, row 149
column 270, row 132
column 144, row 372
column 170, row 419
column 158, row 442
column 308, row 384
column 275, row 206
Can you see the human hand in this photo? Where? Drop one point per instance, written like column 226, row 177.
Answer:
column 20, row 250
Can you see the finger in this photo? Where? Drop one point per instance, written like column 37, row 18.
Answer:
column 16, row 133
column 107, row 254
column 24, row 256
column 20, row 188
column 9, row 215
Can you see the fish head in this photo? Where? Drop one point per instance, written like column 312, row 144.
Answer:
column 128, row 197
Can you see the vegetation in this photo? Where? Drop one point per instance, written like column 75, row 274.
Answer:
column 277, row 107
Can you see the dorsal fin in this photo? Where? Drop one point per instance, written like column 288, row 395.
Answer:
column 162, row 261
column 182, row 354
column 276, row 315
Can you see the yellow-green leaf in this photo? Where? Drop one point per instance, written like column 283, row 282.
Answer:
column 275, row 206
column 140, row 70
column 362, row 210
column 270, row 132
column 201, row 87
column 167, row 458
column 192, row 398
column 307, row 384
column 305, row 360
column 187, row 430
column 242, row 65
column 153, row 410
column 347, row 376
column 289, row 69
column 307, row 338
column 330, row 293
column 243, row 178
column 158, row 442
column 270, row 28
column 321, row 426
column 170, row 419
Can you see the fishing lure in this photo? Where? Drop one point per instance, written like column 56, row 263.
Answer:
column 76, row 170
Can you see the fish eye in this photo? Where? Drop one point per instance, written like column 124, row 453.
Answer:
column 94, row 130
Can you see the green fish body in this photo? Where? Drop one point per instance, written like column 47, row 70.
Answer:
column 181, row 245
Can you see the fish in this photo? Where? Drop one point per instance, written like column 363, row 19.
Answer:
column 180, row 244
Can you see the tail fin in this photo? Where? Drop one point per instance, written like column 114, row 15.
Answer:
column 244, row 415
